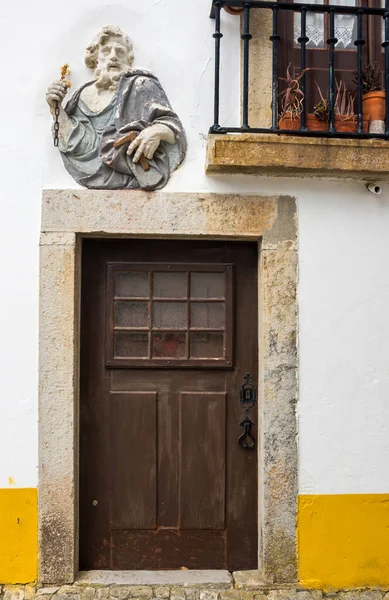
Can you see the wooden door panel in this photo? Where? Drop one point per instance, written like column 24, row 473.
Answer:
column 133, row 464
column 168, row 458
column 169, row 382
column 203, row 425
column 168, row 549
column 163, row 481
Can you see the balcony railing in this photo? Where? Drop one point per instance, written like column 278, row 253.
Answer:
column 359, row 13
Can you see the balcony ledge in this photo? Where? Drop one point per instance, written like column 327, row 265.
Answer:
column 292, row 156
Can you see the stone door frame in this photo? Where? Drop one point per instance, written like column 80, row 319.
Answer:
column 70, row 215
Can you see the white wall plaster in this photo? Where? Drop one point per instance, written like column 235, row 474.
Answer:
column 344, row 239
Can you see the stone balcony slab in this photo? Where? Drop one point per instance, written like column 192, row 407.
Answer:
column 293, row 156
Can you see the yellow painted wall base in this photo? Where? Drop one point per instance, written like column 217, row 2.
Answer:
column 18, row 535
column 343, row 540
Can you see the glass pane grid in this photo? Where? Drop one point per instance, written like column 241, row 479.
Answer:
column 208, row 330
column 207, row 315
column 207, row 299
column 170, row 285
column 162, row 329
column 169, row 344
column 207, row 344
column 120, row 328
column 167, row 300
column 131, row 314
column 131, row 345
column 131, row 284
column 178, row 316
column 207, row 285
column 169, row 315
column 132, row 299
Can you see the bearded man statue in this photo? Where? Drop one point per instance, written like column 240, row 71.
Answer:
column 102, row 117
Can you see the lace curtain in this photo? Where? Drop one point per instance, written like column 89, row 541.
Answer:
column 345, row 27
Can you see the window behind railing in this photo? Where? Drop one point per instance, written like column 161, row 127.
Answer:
column 329, row 54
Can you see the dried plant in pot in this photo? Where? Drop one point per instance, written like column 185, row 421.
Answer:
column 345, row 118
column 373, row 94
column 291, row 101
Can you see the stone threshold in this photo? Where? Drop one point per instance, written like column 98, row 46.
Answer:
column 215, row 578
column 180, row 577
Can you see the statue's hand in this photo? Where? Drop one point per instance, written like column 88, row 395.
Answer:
column 148, row 140
column 56, row 93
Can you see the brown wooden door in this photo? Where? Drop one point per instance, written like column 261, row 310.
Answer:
column 168, row 332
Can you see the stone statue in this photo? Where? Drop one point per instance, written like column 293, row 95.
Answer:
column 119, row 130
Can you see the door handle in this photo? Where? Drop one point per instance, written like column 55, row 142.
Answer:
column 248, row 399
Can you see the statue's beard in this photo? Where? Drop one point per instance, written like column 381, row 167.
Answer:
column 106, row 80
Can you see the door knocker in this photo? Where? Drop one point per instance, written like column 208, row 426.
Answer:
column 248, row 399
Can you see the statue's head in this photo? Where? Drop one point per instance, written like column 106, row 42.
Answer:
column 110, row 53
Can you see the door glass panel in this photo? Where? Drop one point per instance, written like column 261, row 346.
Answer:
column 208, row 285
column 132, row 284
column 206, row 345
column 345, row 27
column 170, row 315
column 131, row 314
column 170, row 285
column 168, row 344
column 208, row 315
column 166, row 315
column 314, row 27
column 131, row 345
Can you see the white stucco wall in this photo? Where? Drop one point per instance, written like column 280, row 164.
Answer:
column 344, row 240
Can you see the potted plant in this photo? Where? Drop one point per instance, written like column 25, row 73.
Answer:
column 291, row 101
column 318, row 121
column 345, row 117
column 373, row 94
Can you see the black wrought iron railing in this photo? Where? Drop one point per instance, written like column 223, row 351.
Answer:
column 359, row 12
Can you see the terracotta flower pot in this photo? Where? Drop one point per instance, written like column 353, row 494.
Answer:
column 349, row 124
column 342, row 123
column 294, row 123
column 290, row 123
column 373, row 106
column 314, row 124
column 233, row 11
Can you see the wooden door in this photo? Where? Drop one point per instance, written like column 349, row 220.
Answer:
column 168, row 333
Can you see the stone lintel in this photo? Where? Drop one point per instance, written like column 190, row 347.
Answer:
column 284, row 155
column 136, row 213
